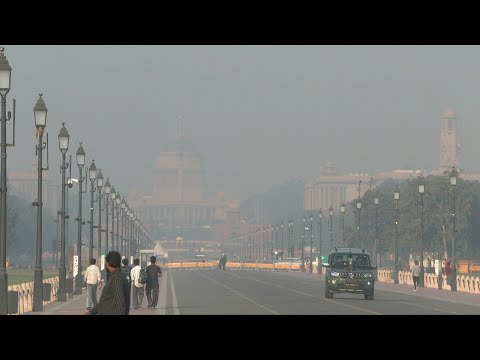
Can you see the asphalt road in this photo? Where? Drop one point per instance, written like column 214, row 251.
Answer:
column 236, row 292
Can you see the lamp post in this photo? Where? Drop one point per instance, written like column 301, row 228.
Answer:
column 132, row 222
column 396, row 197
column 453, row 185
column 421, row 191
column 5, row 77
column 80, row 163
column 112, row 197
column 122, row 212
column 303, row 243
column 320, row 224
column 377, row 245
column 107, row 188
column 40, row 116
column 99, row 188
column 92, row 174
column 63, row 140
column 359, row 208
column 118, row 200
column 342, row 212
column 283, row 250
column 291, row 247
column 276, row 241
column 330, row 212
column 311, row 244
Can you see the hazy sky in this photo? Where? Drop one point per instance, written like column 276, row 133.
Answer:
column 258, row 114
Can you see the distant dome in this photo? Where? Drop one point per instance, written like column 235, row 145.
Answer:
column 179, row 145
column 449, row 113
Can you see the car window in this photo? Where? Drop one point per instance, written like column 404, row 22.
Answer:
column 355, row 261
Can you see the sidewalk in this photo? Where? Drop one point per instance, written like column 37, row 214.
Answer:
column 444, row 295
column 77, row 304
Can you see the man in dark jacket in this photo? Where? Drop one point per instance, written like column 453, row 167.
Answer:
column 115, row 298
column 153, row 287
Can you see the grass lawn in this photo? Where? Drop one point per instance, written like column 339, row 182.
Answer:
column 19, row 276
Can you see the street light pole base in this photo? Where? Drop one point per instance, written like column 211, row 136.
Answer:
column 62, row 284
column 421, row 279
column 38, row 290
column 395, row 277
column 453, row 279
column 3, row 291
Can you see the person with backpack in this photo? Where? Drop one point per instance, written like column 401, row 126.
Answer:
column 152, row 287
column 137, row 285
column 126, row 269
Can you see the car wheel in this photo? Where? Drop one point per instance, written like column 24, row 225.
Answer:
column 328, row 294
column 368, row 296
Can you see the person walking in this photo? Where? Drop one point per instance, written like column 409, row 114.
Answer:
column 415, row 275
column 137, row 288
column 115, row 298
column 93, row 279
column 152, row 288
column 126, row 269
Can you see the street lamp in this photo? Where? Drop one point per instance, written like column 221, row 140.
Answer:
column 421, row 191
column 118, row 200
column 80, row 163
column 453, row 185
column 107, row 188
column 63, row 141
column 112, row 197
column 92, row 174
column 330, row 212
column 377, row 245
column 303, row 243
column 320, row 224
column 359, row 208
column 311, row 244
column 5, row 77
column 123, row 205
column 283, row 250
column 40, row 116
column 396, row 197
column 99, row 188
column 342, row 211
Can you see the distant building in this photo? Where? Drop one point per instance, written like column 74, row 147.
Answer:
column 330, row 189
column 25, row 185
column 177, row 203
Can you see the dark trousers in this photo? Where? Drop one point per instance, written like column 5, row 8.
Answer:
column 152, row 296
column 137, row 296
column 415, row 281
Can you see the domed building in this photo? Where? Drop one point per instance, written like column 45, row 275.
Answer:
column 177, row 203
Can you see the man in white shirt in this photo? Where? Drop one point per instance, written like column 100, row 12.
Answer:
column 93, row 278
column 137, row 287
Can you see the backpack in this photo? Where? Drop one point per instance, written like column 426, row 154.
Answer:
column 143, row 278
column 126, row 272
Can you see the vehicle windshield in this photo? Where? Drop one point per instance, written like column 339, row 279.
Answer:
column 350, row 261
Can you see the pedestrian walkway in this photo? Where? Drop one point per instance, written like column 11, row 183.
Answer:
column 444, row 295
column 77, row 304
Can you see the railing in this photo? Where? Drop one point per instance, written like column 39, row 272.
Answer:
column 465, row 283
column 191, row 265
column 25, row 294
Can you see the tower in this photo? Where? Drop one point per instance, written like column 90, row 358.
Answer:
column 448, row 142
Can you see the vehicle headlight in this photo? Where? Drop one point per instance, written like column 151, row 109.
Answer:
column 368, row 275
column 334, row 273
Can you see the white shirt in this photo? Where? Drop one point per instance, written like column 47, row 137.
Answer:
column 135, row 276
column 92, row 275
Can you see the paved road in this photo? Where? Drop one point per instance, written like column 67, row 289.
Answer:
column 264, row 293
column 236, row 292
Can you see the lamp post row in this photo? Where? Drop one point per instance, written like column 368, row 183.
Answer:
column 136, row 229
